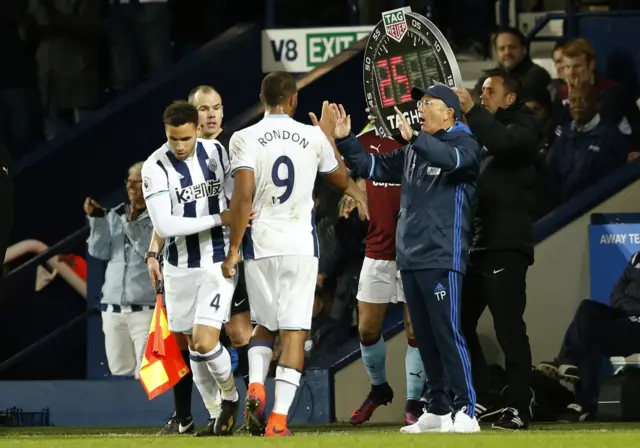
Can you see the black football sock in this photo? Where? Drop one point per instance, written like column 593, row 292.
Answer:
column 243, row 363
column 182, row 391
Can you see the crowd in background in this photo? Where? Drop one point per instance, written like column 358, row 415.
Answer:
column 68, row 58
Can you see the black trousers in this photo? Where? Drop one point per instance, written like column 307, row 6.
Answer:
column 433, row 299
column 497, row 279
column 595, row 332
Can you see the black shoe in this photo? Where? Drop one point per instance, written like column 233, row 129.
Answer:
column 573, row 414
column 488, row 407
column 208, row 430
column 510, row 419
column 227, row 419
column 254, row 419
column 177, row 426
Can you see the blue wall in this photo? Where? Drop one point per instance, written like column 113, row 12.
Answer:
column 617, row 54
column 613, row 239
column 124, row 402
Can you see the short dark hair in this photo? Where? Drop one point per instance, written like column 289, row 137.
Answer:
column 277, row 87
column 514, row 32
column 511, row 83
column 180, row 112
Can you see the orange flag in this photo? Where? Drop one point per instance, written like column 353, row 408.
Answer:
column 162, row 365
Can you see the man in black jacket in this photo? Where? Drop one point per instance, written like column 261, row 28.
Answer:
column 6, row 204
column 598, row 330
column 502, row 248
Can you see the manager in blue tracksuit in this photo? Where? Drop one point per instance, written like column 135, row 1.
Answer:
column 437, row 171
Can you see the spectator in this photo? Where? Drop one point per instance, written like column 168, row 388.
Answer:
column 510, row 48
column 616, row 102
column 68, row 59
column 139, row 34
column 598, row 330
column 587, row 149
column 122, row 236
column 558, row 61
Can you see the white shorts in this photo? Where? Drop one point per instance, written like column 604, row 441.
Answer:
column 380, row 282
column 199, row 296
column 282, row 291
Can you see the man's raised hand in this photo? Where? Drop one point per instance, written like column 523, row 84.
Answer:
column 343, row 122
column 327, row 120
column 406, row 131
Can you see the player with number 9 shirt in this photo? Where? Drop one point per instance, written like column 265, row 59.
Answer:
column 275, row 163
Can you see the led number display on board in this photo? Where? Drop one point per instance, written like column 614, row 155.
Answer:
column 404, row 50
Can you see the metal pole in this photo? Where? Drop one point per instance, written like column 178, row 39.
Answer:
column 570, row 23
column 504, row 13
column 270, row 21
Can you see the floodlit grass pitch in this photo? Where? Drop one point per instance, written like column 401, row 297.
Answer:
column 370, row 436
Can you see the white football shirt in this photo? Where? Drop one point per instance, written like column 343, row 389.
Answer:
column 198, row 186
column 285, row 156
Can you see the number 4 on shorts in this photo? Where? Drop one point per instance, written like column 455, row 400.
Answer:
column 215, row 303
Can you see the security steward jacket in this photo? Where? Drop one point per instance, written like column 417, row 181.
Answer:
column 501, row 218
column 438, row 175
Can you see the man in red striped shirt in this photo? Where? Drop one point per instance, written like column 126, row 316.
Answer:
column 380, row 285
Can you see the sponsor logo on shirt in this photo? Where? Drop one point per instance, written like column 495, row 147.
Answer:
column 198, row 191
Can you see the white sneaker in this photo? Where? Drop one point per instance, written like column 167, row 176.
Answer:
column 430, row 423
column 462, row 423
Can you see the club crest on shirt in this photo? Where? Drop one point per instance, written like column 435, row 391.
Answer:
column 146, row 183
column 212, row 164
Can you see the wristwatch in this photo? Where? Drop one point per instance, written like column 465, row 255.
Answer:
column 150, row 255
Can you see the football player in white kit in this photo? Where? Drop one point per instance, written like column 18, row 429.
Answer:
column 186, row 184
column 275, row 163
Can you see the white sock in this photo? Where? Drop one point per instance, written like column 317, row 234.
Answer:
column 218, row 362
column 205, row 383
column 259, row 360
column 217, row 403
column 287, row 382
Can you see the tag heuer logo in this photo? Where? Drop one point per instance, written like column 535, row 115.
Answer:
column 395, row 24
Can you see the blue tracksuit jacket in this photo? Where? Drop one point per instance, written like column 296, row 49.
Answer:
column 438, row 176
